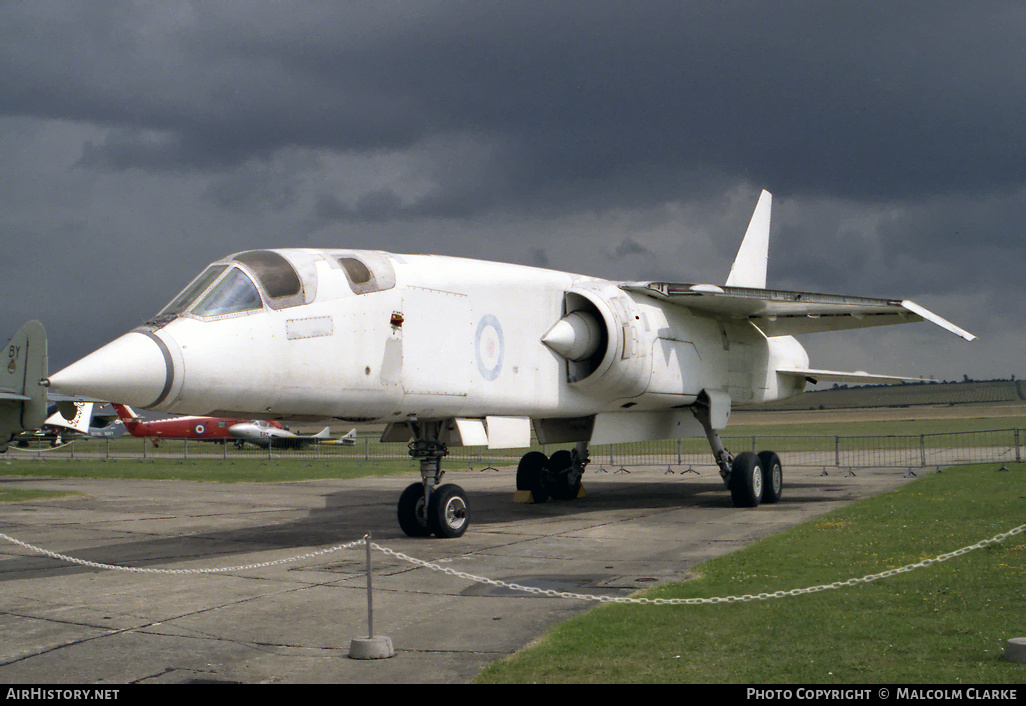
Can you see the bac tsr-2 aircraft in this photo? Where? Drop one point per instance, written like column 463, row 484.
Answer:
column 450, row 351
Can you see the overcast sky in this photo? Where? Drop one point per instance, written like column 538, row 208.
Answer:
column 141, row 140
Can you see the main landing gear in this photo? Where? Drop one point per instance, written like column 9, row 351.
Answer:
column 557, row 476
column 751, row 478
column 428, row 508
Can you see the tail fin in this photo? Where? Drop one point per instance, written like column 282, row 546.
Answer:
column 125, row 413
column 81, row 416
column 749, row 268
column 23, row 398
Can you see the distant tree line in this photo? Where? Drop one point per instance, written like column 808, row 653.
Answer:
column 965, row 379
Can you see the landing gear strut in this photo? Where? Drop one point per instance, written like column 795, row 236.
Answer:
column 751, row 478
column 557, row 476
column 424, row 509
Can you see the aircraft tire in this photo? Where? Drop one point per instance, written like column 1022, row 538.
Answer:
column 772, row 477
column 746, row 480
column 560, row 472
column 410, row 512
column 530, row 472
column 448, row 514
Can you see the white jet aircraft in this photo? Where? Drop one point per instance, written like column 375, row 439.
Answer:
column 450, row 351
column 264, row 434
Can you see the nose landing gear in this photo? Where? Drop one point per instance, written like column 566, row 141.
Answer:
column 424, row 509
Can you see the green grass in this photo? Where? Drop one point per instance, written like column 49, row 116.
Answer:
column 220, row 471
column 943, row 624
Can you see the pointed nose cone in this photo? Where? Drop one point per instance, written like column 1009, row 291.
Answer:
column 134, row 370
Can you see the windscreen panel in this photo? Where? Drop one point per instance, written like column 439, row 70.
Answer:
column 197, row 287
column 235, row 292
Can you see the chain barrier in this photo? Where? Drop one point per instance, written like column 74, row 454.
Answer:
column 145, row 570
column 550, row 593
column 699, row 601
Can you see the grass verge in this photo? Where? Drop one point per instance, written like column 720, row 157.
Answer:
column 943, row 624
column 213, row 470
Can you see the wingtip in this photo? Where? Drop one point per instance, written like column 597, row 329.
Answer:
column 937, row 320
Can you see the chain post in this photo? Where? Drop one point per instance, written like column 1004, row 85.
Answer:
column 370, row 588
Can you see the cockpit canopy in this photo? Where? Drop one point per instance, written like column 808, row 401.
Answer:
column 263, row 424
column 242, row 284
column 250, row 281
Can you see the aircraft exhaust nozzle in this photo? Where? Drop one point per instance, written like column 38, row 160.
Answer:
column 576, row 336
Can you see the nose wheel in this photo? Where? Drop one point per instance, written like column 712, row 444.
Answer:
column 423, row 508
column 448, row 514
column 412, row 511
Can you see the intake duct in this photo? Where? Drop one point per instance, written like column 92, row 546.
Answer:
column 582, row 335
column 602, row 344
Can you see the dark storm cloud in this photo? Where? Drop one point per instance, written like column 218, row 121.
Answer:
column 617, row 98
column 620, row 139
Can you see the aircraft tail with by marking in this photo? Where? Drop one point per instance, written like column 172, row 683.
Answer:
column 23, row 399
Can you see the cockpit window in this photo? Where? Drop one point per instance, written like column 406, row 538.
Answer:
column 357, row 271
column 367, row 271
column 235, row 292
column 195, row 288
column 274, row 272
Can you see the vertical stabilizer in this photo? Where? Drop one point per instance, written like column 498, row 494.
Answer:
column 79, row 419
column 749, row 268
column 22, row 399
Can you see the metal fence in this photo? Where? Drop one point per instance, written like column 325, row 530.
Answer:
column 908, row 451
column 891, row 451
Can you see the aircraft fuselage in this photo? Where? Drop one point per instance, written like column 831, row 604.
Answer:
column 449, row 351
column 370, row 336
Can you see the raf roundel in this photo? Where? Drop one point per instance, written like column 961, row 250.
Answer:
column 200, row 429
column 488, row 346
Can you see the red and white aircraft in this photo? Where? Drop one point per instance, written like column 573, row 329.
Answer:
column 223, row 429
column 201, row 428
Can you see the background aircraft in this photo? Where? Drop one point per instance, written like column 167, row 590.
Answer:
column 344, row 440
column 189, row 427
column 23, row 400
column 273, row 434
column 450, row 351
column 221, row 429
column 80, row 423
